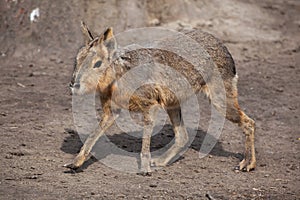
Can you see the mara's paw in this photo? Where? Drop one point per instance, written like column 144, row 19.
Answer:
column 77, row 162
column 144, row 173
column 251, row 166
column 245, row 167
column 71, row 166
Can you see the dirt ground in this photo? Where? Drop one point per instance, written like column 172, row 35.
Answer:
column 37, row 130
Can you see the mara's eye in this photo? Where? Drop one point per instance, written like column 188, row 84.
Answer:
column 98, row 64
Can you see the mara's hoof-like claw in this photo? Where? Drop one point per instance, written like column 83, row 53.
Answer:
column 244, row 167
column 237, row 169
column 145, row 173
column 71, row 166
column 250, row 167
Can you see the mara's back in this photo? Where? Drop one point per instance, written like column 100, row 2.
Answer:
column 218, row 52
column 202, row 47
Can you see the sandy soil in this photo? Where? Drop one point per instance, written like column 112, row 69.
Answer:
column 37, row 130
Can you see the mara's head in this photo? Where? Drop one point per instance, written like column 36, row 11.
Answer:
column 92, row 61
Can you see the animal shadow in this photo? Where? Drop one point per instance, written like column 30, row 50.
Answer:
column 128, row 143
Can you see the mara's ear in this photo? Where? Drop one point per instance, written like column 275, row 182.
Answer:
column 109, row 41
column 88, row 37
column 108, row 34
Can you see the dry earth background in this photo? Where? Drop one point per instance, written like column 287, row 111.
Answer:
column 36, row 136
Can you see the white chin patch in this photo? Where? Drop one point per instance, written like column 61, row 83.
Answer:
column 76, row 91
column 73, row 91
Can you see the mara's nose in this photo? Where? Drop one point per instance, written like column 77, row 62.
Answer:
column 74, row 85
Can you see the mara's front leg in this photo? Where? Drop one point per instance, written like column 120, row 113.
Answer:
column 181, row 139
column 145, row 168
column 106, row 122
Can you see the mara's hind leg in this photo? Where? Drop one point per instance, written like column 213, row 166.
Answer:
column 248, row 126
column 181, row 138
column 236, row 115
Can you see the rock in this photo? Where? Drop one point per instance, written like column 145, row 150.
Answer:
column 153, row 185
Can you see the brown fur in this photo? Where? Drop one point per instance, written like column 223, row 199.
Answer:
column 102, row 48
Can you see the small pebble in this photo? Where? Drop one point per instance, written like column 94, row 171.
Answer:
column 153, row 185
